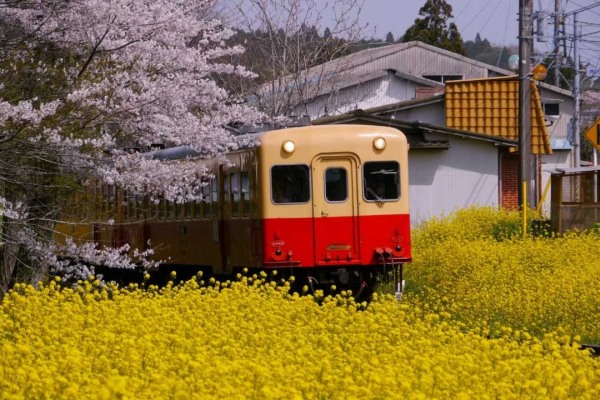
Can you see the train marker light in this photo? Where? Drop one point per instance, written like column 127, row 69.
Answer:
column 289, row 146
column 379, row 143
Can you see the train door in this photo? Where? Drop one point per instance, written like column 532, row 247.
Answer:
column 335, row 209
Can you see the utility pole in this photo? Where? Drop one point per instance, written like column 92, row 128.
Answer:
column 576, row 94
column 527, row 167
column 557, row 22
column 576, row 125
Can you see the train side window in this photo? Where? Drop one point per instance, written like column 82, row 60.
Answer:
column 290, row 184
column 254, row 187
column 381, row 181
column 235, row 194
column 186, row 210
column 105, row 201
column 206, row 200
column 107, row 197
column 162, row 209
column 214, row 185
column 154, row 208
column 196, row 209
column 245, row 193
column 97, row 193
column 133, row 206
column 171, row 208
column 121, row 212
column 182, row 211
column 122, row 206
column 336, row 184
column 146, row 208
column 226, row 195
column 177, row 211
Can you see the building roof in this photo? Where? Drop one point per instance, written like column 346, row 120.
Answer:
column 491, row 106
column 345, row 71
column 407, row 104
column 414, row 131
column 369, row 55
column 348, row 79
column 484, row 109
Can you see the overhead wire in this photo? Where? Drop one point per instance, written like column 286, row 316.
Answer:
column 504, row 35
column 477, row 15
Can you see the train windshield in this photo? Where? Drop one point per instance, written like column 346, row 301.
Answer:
column 381, row 181
column 290, row 184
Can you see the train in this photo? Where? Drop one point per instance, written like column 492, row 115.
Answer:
column 326, row 204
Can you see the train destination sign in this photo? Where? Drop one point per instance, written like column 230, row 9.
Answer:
column 593, row 134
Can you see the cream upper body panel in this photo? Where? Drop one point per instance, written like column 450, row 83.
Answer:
column 314, row 142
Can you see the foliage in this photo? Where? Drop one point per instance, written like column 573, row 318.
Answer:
column 263, row 49
column 82, row 82
column 252, row 339
column 482, row 50
column 288, row 49
column 566, row 72
column 433, row 28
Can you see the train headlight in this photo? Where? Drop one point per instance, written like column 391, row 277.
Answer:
column 289, row 146
column 379, row 143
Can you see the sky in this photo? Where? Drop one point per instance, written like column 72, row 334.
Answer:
column 495, row 20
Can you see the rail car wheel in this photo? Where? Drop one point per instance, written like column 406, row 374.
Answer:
column 361, row 284
column 364, row 285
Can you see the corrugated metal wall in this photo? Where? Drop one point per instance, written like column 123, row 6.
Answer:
column 443, row 181
column 381, row 91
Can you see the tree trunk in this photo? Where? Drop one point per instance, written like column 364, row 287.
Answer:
column 15, row 263
column 8, row 258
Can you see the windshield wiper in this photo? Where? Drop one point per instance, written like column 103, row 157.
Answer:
column 379, row 199
column 384, row 172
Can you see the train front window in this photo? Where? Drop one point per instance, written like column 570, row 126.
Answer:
column 381, row 181
column 336, row 184
column 290, row 184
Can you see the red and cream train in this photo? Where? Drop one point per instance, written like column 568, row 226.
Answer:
column 327, row 204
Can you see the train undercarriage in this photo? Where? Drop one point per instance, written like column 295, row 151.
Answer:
column 361, row 281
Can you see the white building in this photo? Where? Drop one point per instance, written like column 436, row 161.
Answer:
column 404, row 85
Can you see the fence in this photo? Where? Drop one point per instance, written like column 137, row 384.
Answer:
column 575, row 198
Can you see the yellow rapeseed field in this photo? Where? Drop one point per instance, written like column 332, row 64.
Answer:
column 486, row 315
column 476, row 265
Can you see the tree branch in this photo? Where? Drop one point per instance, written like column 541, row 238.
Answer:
column 95, row 49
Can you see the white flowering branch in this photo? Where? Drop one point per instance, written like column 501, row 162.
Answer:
column 82, row 81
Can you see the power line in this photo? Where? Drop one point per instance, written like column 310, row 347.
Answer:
column 477, row 15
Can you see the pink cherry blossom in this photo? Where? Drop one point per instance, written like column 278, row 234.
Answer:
column 144, row 74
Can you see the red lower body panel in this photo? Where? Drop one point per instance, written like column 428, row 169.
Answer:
column 335, row 242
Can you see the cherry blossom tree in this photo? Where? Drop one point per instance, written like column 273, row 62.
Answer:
column 81, row 83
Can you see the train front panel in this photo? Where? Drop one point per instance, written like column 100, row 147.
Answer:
column 334, row 197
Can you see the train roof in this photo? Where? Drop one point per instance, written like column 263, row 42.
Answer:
column 251, row 140
column 172, row 153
